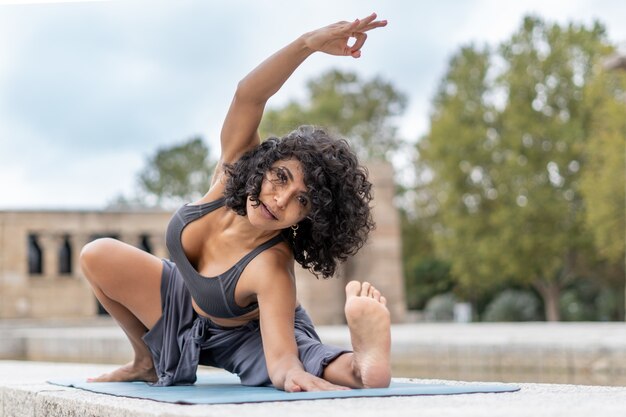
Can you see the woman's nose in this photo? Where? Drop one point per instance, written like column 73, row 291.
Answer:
column 281, row 199
column 280, row 203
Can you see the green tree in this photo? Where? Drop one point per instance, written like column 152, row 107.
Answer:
column 177, row 173
column 604, row 183
column 505, row 152
column 360, row 110
column 424, row 275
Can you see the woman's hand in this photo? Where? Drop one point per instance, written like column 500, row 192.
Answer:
column 333, row 39
column 298, row 380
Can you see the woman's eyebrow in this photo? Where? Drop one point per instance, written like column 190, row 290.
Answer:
column 305, row 193
column 289, row 174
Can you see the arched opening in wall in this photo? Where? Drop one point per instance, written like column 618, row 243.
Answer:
column 145, row 243
column 35, row 255
column 65, row 257
column 101, row 310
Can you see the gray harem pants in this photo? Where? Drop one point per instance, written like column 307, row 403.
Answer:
column 182, row 339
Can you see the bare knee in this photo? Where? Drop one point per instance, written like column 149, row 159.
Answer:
column 93, row 255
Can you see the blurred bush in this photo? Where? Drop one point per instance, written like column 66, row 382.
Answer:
column 586, row 301
column 513, row 305
column 425, row 279
column 440, row 307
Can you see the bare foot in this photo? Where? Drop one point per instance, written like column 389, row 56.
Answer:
column 369, row 323
column 127, row 373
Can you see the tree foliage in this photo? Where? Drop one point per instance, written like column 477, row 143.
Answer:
column 505, row 152
column 178, row 173
column 360, row 110
column 604, row 182
column 424, row 275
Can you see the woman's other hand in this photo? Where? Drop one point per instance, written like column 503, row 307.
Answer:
column 334, row 39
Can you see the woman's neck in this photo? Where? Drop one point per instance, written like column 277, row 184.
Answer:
column 241, row 227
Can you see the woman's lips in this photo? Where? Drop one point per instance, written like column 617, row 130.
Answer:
column 267, row 212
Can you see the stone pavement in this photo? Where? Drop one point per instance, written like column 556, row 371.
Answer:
column 23, row 393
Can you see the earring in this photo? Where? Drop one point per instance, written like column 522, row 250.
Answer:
column 294, row 227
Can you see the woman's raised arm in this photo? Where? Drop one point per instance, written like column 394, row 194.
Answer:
column 239, row 132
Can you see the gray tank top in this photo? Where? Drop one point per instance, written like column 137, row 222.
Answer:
column 214, row 295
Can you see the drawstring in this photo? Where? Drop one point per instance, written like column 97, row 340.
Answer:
column 199, row 333
column 185, row 371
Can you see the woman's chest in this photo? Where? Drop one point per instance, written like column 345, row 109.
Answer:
column 208, row 248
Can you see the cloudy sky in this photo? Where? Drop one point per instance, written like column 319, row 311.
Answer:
column 89, row 89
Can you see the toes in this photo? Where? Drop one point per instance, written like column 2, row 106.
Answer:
column 371, row 291
column 353, row 288
column 365, row 289
column 383, row 300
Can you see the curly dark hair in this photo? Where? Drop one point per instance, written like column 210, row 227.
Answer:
column 340, row 218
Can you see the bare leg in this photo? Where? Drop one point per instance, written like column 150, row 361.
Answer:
column 369, row 323
column 127, row 282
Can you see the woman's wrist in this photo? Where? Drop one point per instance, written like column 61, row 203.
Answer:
column 303, row 44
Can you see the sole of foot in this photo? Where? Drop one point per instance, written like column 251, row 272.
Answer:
column 370, row 330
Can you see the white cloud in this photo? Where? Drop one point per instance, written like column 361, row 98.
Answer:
column 66, row 182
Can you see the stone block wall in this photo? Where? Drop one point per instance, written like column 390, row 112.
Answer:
column 62, row 291
column 56, row 293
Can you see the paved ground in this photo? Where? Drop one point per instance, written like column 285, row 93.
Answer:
column 23, row 393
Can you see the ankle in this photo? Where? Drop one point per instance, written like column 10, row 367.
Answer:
column 144, row 363
column 356, row 371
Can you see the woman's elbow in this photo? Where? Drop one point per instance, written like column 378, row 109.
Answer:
column 247, row 93
column 243, row 90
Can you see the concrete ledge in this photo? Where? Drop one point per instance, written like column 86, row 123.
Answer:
column 23, row 393
column 572, row 353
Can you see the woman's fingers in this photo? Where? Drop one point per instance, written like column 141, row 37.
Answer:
column 369, row 23
column 335, row 39
column 374, row 25
column 309, row 382
column 353, row 25
column 362, row 25
column 323, row 385
column 356, row 30
column 358, row 44
column 367, row 20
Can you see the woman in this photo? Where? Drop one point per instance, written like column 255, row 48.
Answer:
column 229, row 298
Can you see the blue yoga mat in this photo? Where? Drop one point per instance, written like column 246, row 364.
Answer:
column 223, row 388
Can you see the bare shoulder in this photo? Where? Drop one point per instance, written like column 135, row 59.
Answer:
column 275, row 260
column 272, row 271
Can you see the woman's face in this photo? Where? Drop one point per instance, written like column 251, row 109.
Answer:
column 284, row 198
